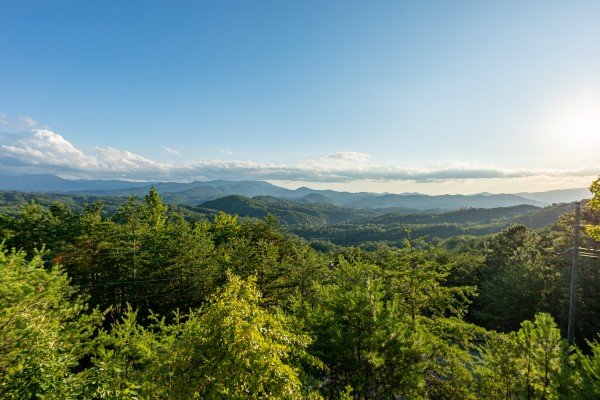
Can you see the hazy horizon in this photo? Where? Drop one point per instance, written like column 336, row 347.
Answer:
column 367, row 187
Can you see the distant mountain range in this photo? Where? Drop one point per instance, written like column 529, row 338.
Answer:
column 196, row 193
column 558, row 196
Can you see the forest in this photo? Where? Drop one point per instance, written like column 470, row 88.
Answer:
column 140, row 299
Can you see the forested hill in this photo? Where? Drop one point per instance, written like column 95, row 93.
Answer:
column 287, row 212
column 318, row 221
column 143, row 304
column 462, row 216
column 12, row 202
column 531, row 216
column 197, row 192
column 445, row 202
column 393, row 228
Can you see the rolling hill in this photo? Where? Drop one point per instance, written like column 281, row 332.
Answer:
column 287, row 212
column 197, row 192
column 325, row 222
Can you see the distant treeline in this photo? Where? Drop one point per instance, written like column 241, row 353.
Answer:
column 326, row 222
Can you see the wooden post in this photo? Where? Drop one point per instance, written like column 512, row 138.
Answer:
column 573, row 291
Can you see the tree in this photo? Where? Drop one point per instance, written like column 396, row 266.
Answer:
column 44, row 330
column 154, row 208
column 517, row 280
column 548, row 355
column 527, row 364
column 498, row 370
column 33, row 228
column 235, row 349
column 590, row 371
column 594, row 231
column 385, row 343
column 417, row 280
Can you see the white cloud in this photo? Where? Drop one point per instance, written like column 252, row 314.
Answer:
column 350, row 156
column 27, row 122
column 40, row 150
column 18, row 124
column 43, row 150
column 111, row 159
column 45, row 147
column 341, row 161
column 172, row 151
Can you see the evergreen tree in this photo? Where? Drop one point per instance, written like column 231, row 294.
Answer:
column 590, row 371
column 235, row 349
column 594, row 204
column 45, row 330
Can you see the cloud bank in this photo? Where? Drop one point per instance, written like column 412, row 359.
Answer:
column 35, row 149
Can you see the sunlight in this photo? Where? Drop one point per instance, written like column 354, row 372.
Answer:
column 570, row 128
column 584, row 125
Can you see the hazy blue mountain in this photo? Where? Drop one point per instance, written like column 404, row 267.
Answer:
column 447, row 202
column 463, row 216
column 194, row 193
column 200, row 189
column 344, row 199
column 315, row 198
column 52, row 183
column 559, row 196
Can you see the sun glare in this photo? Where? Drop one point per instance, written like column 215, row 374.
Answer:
column 574, row 124
column 584, row 125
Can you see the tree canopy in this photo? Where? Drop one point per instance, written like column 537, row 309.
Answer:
column 145, row 303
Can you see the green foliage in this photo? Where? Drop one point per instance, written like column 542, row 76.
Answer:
column 530, row 363
column 498, row 370
column 417, row 279
column 594, row 231
column 44, row 330
column 517, row 280
column 393, row 340
column 123, row 361
column 235, row 349
column 314, row 220
column 267, row 316
column 290, row 213
column 590, row 371
column 232, row 348
column 390, row 228
column 154, row 209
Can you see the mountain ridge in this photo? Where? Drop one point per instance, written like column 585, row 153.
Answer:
column 197, row 192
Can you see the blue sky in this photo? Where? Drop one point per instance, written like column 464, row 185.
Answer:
column 437, row 97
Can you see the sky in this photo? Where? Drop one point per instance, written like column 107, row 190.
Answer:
column 384, row 96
